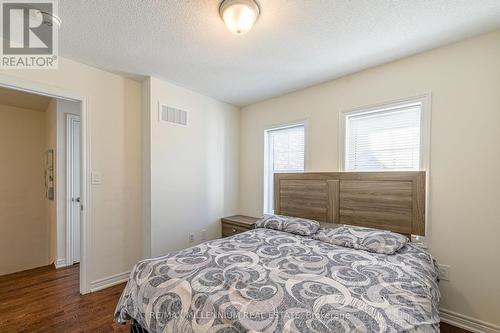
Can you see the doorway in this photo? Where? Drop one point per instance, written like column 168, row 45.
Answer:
column 80, row 189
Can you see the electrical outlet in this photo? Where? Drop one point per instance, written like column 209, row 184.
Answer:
column 191, row 238
column 419, row 241
column 95, row 178
column 203, row 234
column 444, row 272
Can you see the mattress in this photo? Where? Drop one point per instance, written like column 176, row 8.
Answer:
column 271, row 281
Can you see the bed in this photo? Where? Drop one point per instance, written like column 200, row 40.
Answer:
column 267, row 280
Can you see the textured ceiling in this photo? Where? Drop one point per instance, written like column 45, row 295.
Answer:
column 294, row 44
column 23, row 100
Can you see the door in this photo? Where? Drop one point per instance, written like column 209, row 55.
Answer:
column 73, row 135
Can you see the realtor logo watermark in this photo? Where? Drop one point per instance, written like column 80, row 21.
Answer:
column 29, row 34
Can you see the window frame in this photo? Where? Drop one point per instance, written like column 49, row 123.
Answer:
column 267, row 158
column 425, row 118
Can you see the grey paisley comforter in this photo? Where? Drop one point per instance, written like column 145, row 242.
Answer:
column 271, row 281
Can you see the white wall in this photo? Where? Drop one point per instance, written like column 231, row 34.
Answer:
column 464, row 80
column 24, row 231
column 114, row 103
column 194, row 169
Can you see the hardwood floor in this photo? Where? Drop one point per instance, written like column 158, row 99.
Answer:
column 447, row 328
column 48, row 300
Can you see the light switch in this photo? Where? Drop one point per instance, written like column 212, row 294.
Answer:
column 96, row 178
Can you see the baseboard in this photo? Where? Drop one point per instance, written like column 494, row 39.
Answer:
column 109, row 281
column 467, row 323
column 60, row 263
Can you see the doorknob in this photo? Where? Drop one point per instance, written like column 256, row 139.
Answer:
column 75, row 199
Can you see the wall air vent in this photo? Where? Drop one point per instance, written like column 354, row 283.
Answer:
column 172, row 115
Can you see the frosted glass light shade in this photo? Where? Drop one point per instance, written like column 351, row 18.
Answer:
column 239, row 15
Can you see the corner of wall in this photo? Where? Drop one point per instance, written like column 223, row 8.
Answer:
column 238, row 205
column 146, row 167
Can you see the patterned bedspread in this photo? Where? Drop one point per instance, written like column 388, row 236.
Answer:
column 271, row 281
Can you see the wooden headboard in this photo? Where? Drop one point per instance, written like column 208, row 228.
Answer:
column 384, row 200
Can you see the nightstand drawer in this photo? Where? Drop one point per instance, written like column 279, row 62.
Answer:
column 231, row 229
column 236, row 224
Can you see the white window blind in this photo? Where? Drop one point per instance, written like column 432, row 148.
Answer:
column 284, row 153
column 384, row 139
column 287, row 146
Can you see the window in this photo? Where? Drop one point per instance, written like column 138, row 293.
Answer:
column 390, row 137
column 284, row 152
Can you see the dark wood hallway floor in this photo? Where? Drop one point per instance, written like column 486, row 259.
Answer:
column 48, row 300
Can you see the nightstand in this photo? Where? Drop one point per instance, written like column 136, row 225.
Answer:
column 236, row 224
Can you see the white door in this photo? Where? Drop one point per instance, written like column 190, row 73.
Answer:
column 73, row 131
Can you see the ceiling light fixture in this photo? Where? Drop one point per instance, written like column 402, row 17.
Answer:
column 50, row 19
column 42, row 17
column 239, row 15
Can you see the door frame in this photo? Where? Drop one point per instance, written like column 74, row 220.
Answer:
column 70, row 119
column 37, row 88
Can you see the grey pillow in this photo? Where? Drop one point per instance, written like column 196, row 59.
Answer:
column 367, row 239
column 294, row 225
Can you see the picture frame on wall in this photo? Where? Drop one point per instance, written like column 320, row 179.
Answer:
column 49, row 174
